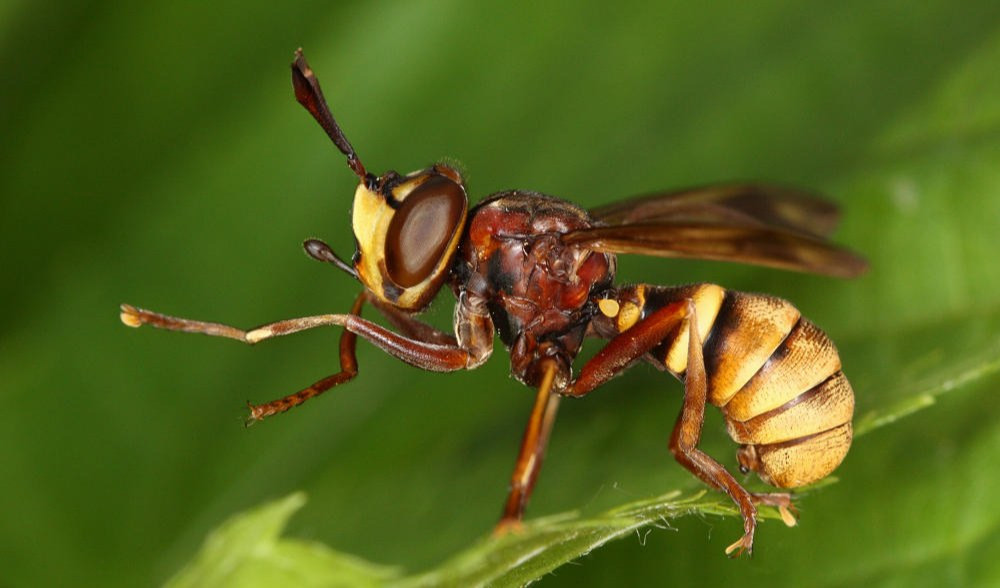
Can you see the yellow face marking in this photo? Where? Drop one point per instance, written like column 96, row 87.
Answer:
column 371, row 218
column 609, row 308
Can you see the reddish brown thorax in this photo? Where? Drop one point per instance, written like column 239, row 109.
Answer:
column 538, row 290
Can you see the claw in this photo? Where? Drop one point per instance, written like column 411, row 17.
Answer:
column 507, row 526
column 254, row 417
column 787, row 516
column 783, row 502
column 130, row 316
column 745, row 544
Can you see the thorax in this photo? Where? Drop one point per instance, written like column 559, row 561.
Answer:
column 538, row 290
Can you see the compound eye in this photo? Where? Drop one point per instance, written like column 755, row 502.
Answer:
column 421, row 229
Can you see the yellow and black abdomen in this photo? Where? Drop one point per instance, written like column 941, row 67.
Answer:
column 775, row 375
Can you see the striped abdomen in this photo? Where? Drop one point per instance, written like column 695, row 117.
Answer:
column 775, row 376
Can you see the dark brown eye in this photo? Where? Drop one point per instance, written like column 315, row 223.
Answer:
column 421, row 229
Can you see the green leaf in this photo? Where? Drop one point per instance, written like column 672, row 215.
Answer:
column 247, row 551
column 980, row 366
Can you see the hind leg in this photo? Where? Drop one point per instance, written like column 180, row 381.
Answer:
column 687, row 433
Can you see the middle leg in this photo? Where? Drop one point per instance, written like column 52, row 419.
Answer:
column 529, row 459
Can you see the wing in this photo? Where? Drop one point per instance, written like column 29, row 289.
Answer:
column 739, row 204
column 749, row 223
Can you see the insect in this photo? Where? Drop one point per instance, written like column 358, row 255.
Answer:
column 539, row 272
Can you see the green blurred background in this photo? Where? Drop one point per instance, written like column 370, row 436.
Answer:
column 153, row 153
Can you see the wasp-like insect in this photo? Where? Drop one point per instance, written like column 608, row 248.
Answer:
column 539, row 271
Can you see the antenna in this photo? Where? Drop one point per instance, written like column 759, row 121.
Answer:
column 309, row 94
column 320, row 251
